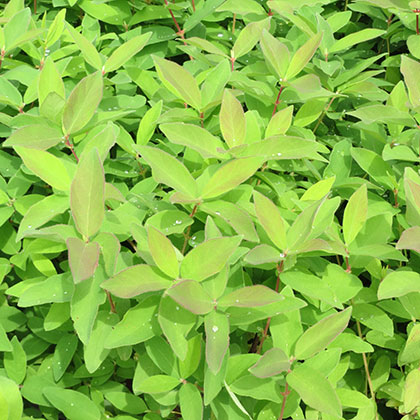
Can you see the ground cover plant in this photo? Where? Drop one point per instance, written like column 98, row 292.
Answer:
column 209, row 209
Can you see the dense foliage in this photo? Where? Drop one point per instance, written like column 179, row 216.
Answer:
column 210, row 209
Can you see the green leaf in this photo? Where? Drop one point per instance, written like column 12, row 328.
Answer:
column 356, row 38
column 17, row 25
column 280, row 122
column 176, row 322
column 163, row 252
column 188, row 366
column 319, row 190
column 232, row 120
column 148, row 124
column 45, row 165
column 56, row 28
column 374, row 318
column 87, row 195
column 399, row 283
column 382, row 113
column 158, row 383
column 135, row 280
column 276, row 54
column 83, row 258
column 36, row 136
column 208, row 258
column 40, row 213
column 192, row 296
column 95, row 352
column 126, row 402
column 138, row 325
column 124, row 52
column 90, row 54
column 179, row 81
column 201, row 14
column 190, row 402
column 82, row 103
column 319, row 335
column 230, row 175
column 271, row 220
column 273, row 362
column 355, row 214
column 302, row 56
column 410, row 69
column 168, row 170
column 63, row 355
column 9, row 93
column 193, row 137
column 248, row 37
column 412, row 390
column 411, row 350
column 217, row 339
column 72, row 403
column 11, row 404
column 305, row 380
column 15, row 361
column 50, row 81
column 250, row 296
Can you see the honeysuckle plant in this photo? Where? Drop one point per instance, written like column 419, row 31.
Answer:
column 209, row 209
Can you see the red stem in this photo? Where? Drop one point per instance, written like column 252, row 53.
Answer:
column 234, row 23
column 34, row 7
column 267, row 325
column 417, row 24
column 277, row 101
column 70, row 146
column 232, row 62
column 283, row 403
column 193, row 5
column 111, row 302
column 202, row 119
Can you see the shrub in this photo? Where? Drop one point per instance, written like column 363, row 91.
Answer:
column 210, row 209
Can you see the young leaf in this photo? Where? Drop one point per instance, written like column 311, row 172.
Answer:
column 124, row 52
column 217, row 339
column 87, row 195
column 35, row 136
column 412, row 390
column 135, row 280
column 271, row 220
column 191, row 295
column 304, row 380
column 280, row 122
column 148, row 124
column 194, row 137
column 163, row 252
column 273, row 362
column 158, row 384
column 82, row 103
column 179, row 81
column 355, row 214
column 232, row 120
column 208, row 258
column 410, row 69
column 230, row 175
column 248, row 37
column 319, row 335
column 410, row 239
column 190, row 402
column 48, row 167
column 250, row 296
column 83, row 258
column 276, row 54
column 399, row 283
column 168, row 170
column 90, row 54
column 302, row 56
column 319, row 190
